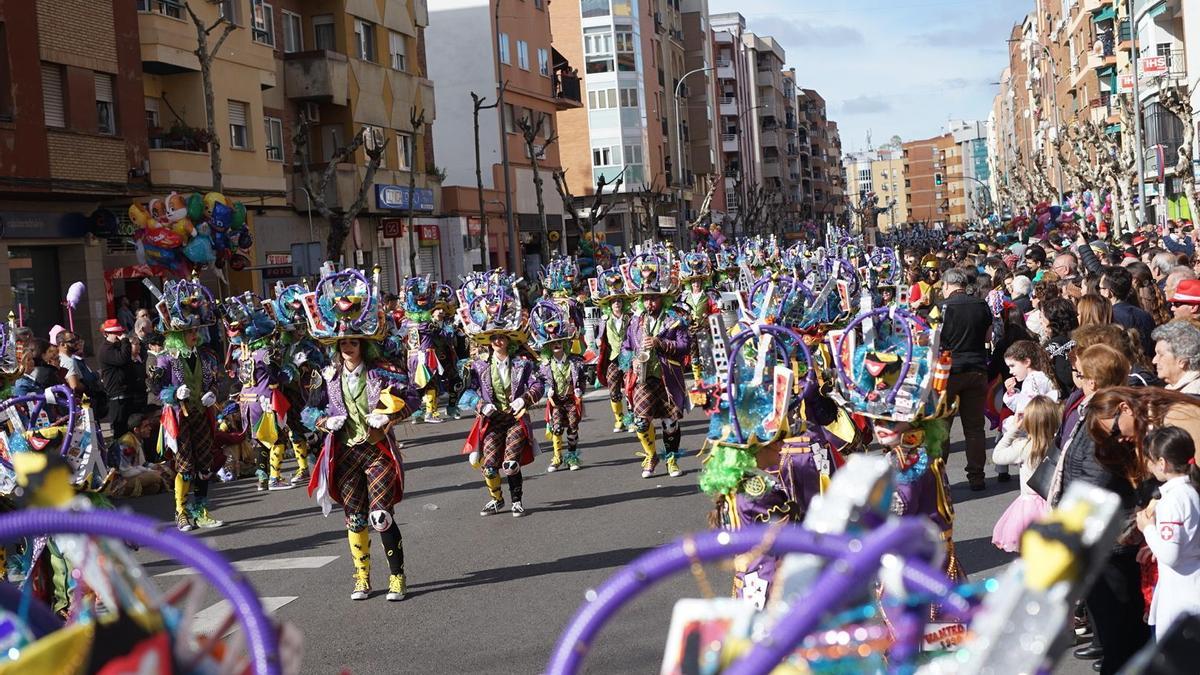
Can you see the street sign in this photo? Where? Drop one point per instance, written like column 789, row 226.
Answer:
column 276, row 259
column 1153, row 65
column 428, row 235
column 393, row 228
column 306, row 259
column 277, row 272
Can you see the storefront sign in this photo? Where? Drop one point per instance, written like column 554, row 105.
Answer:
column 1125, row 84
column 275, row 259
column 396, row 197
column 277, row 272
column 42, row 225
column 393, row 228
column 474, row 227
column 428, row 235
column 1153, row 65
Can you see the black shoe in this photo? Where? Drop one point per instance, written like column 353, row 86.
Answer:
column 1004, row 477
column 978, row 485
column 1089, row 653
column 1098, row 665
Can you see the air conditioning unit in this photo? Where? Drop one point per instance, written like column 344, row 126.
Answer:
column 312, row 111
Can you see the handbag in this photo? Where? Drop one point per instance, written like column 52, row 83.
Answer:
column 1042, row 478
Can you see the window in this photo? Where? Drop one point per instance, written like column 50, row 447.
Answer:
column 262, row 27
column 625, row 42
column 397, row 50
column 239, row 133
column 153, row 121
column 629, row 97
column 364, row 34
column 293, row 32
column 597, row 42
column 323, row 32
column 404, row 147
column 143, row 5
column 591, row 8
column 504, row 56
column 602, row 99
column 106, row 114
column 543, row 62
column 331, row 140
column 229, row 11
column 633, row 154
column 273, row 126
column 523, row 54
column 605, row 155
column 52, row 95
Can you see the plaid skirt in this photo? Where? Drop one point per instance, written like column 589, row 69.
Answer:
column 503, row 442
column 366, row 478
column 195, row 455
column 652, row 401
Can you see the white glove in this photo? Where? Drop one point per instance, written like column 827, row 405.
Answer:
column 334, row 422
column 266, row 404
column 182, row 393
column 578, row 393
column 208, row 400
column 51, row 399
column 300, row 358
column 377, row 420
column 488, row 410
column 518, row 405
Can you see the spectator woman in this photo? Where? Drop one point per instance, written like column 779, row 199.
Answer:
column 1150, row 296
column 36, row 374
column 1061, row 320
column 1022, row 287
column 1043, row 291
column 1094, row 310
column 1141, row 373
column 1177, row 356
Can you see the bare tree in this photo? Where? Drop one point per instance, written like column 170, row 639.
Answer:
column 651, row 198
column 530, row 130
column 705, row 210
column 416, row 121
column 205, row 55
column 340, row 219
column 477, row 104
column 599, row 210
column 1178, row 101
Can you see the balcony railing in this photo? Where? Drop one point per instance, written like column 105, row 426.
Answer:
column 724, row 63
column 171, row 8
column 567, row 91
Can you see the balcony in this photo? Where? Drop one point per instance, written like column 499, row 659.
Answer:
column 729, row 106
column 769, row 138
column 729, row 143
column 771, row 168
column 567, row 92
column 317, row 75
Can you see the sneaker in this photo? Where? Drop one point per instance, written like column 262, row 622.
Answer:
column 574, row 466
column 454, row 413
column 492, row 507
column 673, row 469
column 1003, row 477
column 362, row 588
column 300, row 477
column 434, row 419
column 418, row 417
column 396, row 588
column 977, row 485
column 205, row 521
column 518, row 510
column 279, row 484
column 618, row 428
column 262, row 485
column 648, row 465
column 552, row 468
column 183, row 522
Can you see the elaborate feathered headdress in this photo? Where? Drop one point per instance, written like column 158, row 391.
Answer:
column 346, row 304
column 288, row 305
column 650, row 274
column 695, row 265
column 247, row 319
column 494, row 308
column 560, row 276
column 781, row 301
column 420, row 295
column 608, row 286
column 185, row 305
column 549, row 323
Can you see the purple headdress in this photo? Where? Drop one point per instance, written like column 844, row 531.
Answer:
column 346, row 304
column 185, row 304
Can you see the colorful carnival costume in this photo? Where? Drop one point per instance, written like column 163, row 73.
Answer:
column 608, row 292
column 896, row 376
column 695, row 271
column 552, row 333
column 659, row 340
column 186, row 376
column 421, row 334
column 359, row 466
column 301, row 362
column 501, row 388
column 252, row 332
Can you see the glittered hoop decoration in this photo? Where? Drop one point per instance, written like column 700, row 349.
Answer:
column 735, row 347
column 858, row 559
column 793, row 285
column 358, row 277
column 886, row 256
column 61, row 393
column 191, row 285
column 261, row 639
column 907, row 319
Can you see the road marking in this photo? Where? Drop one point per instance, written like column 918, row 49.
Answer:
column 209, row 619
column 311, row 562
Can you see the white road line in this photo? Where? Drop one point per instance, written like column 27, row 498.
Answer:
column 210, row 618
column 265, row 564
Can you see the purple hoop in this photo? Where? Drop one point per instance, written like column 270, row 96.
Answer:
column 858, row 558
column 59, row 390
column 735, row 346
column 261, row 639
column 894, row 315
column 366, row 305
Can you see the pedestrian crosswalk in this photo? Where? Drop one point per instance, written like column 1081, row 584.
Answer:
column 311, row 562
column 210, row 618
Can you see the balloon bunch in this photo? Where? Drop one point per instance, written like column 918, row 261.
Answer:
column 592, row 254
column 181, row 234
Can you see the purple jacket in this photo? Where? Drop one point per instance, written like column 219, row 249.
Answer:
column 917, row 495
column 168, row 375
column 675, row 347
column 260, row 378
column 524, row 380
column 329, row 398
column 575, row 377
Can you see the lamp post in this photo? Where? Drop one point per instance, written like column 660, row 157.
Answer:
column 679, row 146
column 744, row 173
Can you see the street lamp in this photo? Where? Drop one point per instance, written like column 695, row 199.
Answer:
column 679, row 145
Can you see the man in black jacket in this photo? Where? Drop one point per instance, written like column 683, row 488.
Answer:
column 117, row 357
column 966, row 326
column 1117, row 286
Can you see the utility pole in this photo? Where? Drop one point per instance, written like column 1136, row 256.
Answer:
column 514, row 261
column 679, row 144
column 1139, row 155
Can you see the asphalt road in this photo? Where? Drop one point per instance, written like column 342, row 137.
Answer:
column 492, row 594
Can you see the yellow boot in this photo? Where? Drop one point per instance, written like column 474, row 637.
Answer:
column 618, row 416
column 182, row 520
column 360, row 554
column 556, row 461
column 300, row 447
column 649, row 458
column 492, row 483
column 277, row 482
column 431, row 405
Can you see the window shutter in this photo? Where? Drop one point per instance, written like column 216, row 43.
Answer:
column 237, row 113
column 427, row 260
column 52, row 96
column 387, row 276
column 104, row 87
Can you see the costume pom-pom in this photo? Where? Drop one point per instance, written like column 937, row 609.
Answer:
column 725, row 469
column 309, row 418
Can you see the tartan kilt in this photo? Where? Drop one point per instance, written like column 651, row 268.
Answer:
column 652, row 401
column 195, row 454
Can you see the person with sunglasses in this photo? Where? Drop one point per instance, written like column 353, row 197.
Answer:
column 1185, row 301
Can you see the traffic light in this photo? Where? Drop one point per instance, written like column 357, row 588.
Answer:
column 937, row 179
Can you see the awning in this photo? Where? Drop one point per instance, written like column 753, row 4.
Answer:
column 1107, row 71
column 1162, row 7
column 1105, row 14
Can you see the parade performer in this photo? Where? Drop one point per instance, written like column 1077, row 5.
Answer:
column 252, row 334
column 695, row 270
column 897, row 378
column 658, row 338
column 421, row 332
column 562, row 377
column 608, row 292
column 360, row 399
column 185, row 378
column 501, row 387
column 301, row 362
column 561, row 280
column 446, row 347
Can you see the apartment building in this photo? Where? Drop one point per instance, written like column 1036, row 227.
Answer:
column 700, row 101
column 879, row 171
column 821, row 177
column 472, row 47
column 73, row 151
column 837, row 181
column 925, row 174
column 971, row 139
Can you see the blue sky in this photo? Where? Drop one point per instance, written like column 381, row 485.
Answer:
column 900, row 67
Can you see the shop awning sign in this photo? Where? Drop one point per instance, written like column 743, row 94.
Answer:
column 397, row 197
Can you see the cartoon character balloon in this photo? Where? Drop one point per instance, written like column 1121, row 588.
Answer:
column 181, row 234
